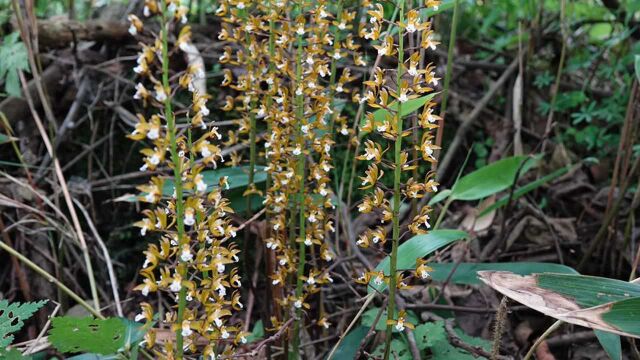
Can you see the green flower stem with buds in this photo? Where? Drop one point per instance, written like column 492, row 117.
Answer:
column 252, row 128
column 177, row 171
column 295, row 344
column 356, row 126
column 447, row 77
column 397, row 171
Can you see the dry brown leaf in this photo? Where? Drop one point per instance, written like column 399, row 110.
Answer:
column 473, row 223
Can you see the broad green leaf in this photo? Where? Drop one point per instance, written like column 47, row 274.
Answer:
column 518, row 193
column 12, row 354
column 637, row 67
column 417, row 247
column 407, row 108
column 490, row 179
column 624, row 315
column 594, row 302
column 467, row 273
column 12, row 317
column 433, row 336
column 349, row 345
column 588, row 291
column 399, row 350
column 101, row 336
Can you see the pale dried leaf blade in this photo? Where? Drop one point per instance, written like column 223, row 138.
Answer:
column 525, row 290
column 472, row 222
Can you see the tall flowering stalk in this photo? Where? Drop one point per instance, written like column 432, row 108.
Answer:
column 390, row 92
column 193, row 261
column 295, row 96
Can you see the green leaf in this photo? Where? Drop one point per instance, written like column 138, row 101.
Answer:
column 237, row 177
column 433, row 336
column 624, row 315
column 588, row 291
column 12, row 354
column 637, row 67
column 12, row 317
column 399, row 350
column 417, row 247
column 518, row 193
column 103, row 336
column 467, row 273
column 14, row 57
column 490, row 179
column 257, row 332
column 133, row 334
column 441, row 195
column 350, row 344
column 407, row 108
column 610, row 343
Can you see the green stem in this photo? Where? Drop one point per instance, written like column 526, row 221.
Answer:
column 334, row 65
column 397, row 172
column 542, row 337
column 443, row 212
column 334, row 116
column 177, row 173
column 295, row 344
column 447, row 77
column 452, row 45
column 50, row 278
column 356, row 127
column 252, row 120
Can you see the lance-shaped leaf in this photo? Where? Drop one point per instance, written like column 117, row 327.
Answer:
column 417, row 247
column 467, row 273
column 487, row 180
column 593, row 302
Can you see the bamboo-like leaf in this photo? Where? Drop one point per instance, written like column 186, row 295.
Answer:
column 467, row 273
column 594, row 302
